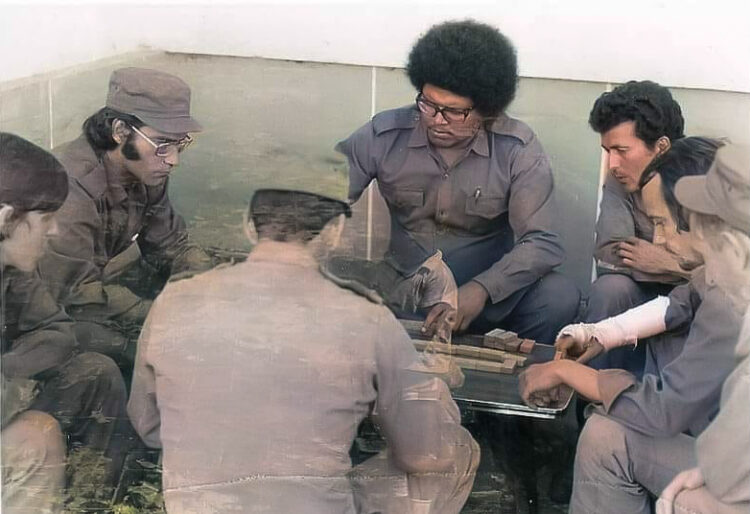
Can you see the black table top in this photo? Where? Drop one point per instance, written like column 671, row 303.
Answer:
column 498, row 393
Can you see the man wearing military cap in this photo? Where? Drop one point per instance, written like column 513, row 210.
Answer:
column 119, row 205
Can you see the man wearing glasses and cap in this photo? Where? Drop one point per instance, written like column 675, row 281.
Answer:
column 119, row 170
column 460, row 176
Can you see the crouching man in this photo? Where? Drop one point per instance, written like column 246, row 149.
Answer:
column 254, row 378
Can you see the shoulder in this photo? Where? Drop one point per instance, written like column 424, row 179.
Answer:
column 83, row 166
column 80, row 204
column 506, row 127
column 403, row 118
column 377, row 134
column 350, row 284
column 77, row 157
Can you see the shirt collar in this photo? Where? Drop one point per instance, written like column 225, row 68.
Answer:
column 480, row 145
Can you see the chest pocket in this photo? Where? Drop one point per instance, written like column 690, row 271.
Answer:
column 407, row 199
column 487, row 207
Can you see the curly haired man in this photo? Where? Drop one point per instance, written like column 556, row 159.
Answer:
column 637, row 122
column 460, row 176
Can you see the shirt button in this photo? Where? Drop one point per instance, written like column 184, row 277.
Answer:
column 445, row 176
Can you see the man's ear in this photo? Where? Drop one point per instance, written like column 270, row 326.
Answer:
column 8, row 221
column 249, row 228
column 663, row 144
column 120, row 131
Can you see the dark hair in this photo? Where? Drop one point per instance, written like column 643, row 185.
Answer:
column 31, row 179
column 687, row 156
column 284, row 215
column 98, row 128
column 469, row 59
column 648, row 104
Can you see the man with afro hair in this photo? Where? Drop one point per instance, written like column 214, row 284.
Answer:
column 461, row 177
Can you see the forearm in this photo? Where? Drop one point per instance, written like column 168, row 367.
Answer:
column 526, row 263
column 640, row 322
column 38, row 351
column 671, row 276
column 97, row 302
column 422, row 427
column 580, row 377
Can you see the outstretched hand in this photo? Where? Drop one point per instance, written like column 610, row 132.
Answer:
column 538, row 384
column 472, row 297
column 581, row 352
column 577, row 342
column 439, row 322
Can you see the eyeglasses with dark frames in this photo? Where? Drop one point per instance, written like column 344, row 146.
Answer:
column 166, row 148
column 450, row 114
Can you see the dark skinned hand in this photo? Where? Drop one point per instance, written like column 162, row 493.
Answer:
column 538, row 384
column 439, row 322
column 581, row 351
column 646, row 257
column 472, row 298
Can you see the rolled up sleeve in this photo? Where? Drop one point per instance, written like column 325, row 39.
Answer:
column 685, row 393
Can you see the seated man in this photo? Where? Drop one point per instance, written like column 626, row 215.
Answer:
column 254, row 378
column 637, row 121
column 687, row 156
column 720, row 483
column 460, row 176
column 40, row 367
column 632, row 444
column 119, row 172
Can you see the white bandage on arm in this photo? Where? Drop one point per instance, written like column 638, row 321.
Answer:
column 637, row 323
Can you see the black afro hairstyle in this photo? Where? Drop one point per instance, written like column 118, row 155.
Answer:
column 469, row 59
column 648, row 104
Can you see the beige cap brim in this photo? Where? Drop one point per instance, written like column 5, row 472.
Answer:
column 692, row 193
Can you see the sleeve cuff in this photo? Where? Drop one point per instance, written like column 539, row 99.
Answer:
column 494, row 292
column 612, row 383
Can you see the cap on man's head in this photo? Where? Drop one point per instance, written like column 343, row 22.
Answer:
column 158, row 99
column 724, row 191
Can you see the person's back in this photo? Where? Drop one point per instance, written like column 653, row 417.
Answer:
column 261, row 344
column 254, row 379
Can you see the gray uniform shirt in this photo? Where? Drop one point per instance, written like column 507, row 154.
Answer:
column 723, row 448
column 621, row 216
column 684, row 369
column 491, row 213
column 254, row 379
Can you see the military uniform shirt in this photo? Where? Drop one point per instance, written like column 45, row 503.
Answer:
column 491, row 213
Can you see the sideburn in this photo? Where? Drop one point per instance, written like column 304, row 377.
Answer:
column 129, row 150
